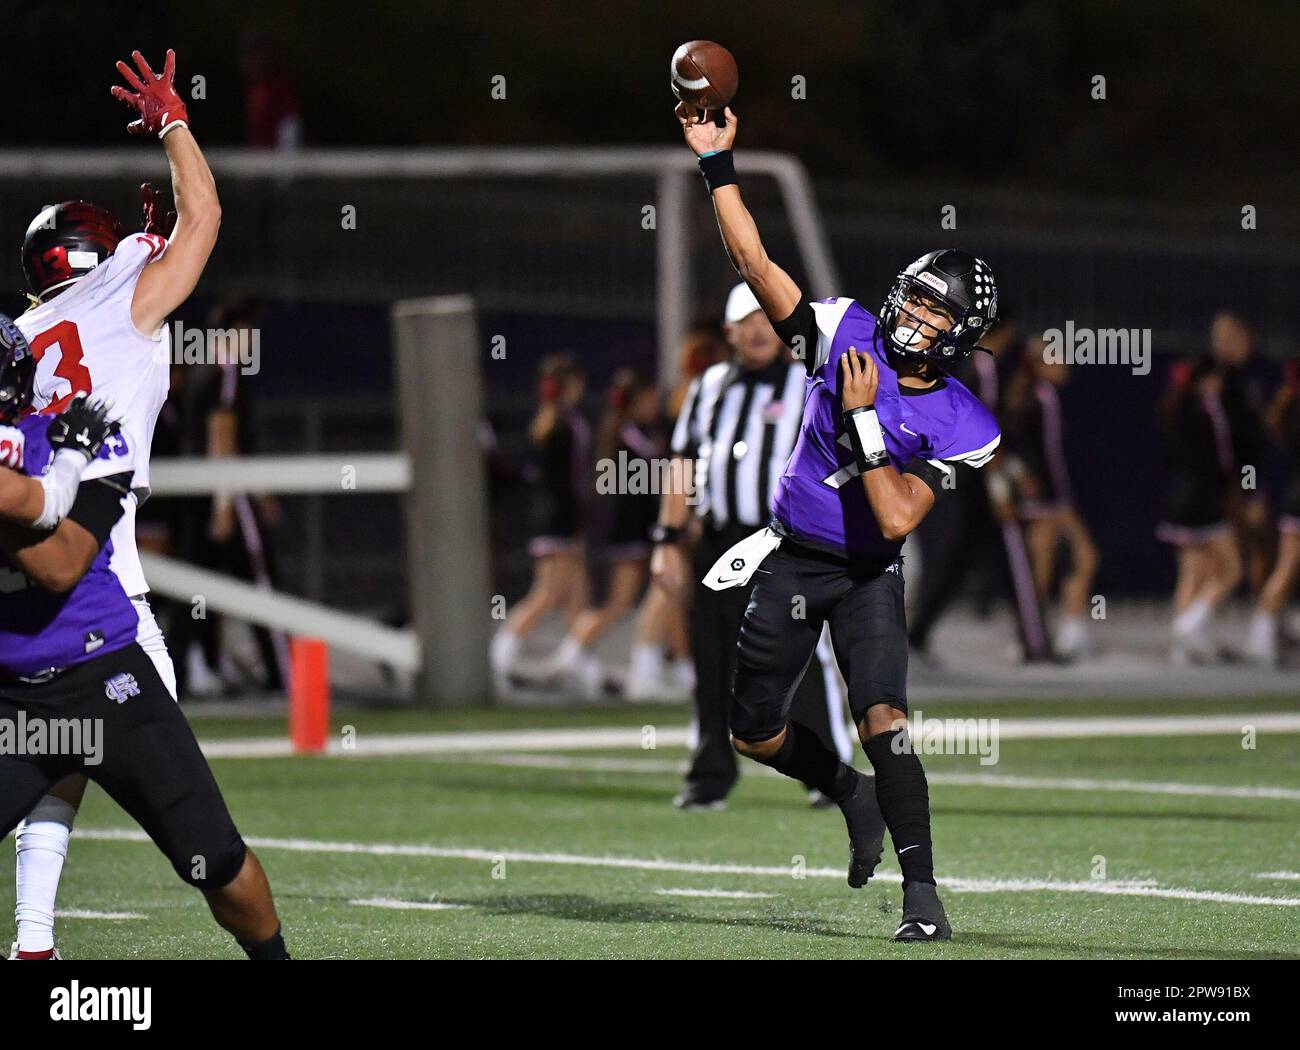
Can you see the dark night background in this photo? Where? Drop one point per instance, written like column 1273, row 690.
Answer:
column 909, row 104
column 1202, row 94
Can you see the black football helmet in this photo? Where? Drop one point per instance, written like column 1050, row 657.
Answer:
column 17, row 372
column 65, row 242
column 959, row 283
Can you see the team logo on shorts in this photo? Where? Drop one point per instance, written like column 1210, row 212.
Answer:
column 121, row 687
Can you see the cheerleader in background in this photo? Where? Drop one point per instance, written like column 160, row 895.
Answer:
column 661, row 620
column 1283, row 423
column 1198, row 462
column 561, row 439
column 629, row 448
column 1033, row 437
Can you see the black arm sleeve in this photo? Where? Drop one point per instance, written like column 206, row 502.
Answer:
column 799, row 333
column 98, row 505
column 932, row 475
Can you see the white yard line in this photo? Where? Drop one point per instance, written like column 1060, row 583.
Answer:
column 82, row 913
column 1280, row 876
column 1139, row 888
column 740, row 895
column 399, row 905
column 651, row 766
column 632, row 738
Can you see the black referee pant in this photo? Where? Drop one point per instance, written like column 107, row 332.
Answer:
column 716, row 617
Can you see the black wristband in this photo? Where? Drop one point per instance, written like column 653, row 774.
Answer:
column 718, row 169
column 666, row 533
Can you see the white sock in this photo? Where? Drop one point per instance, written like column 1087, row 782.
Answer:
column 591, row 676
column 646, row 663
column 1194, row 618
column 503, row 650
column 1263, row 634
column 42, row 841
column 568, row 657
column 682, row 673
column 1072, row 635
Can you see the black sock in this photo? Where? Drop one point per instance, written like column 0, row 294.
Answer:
column 803, row 756
column 271, row 948
column 904, row 798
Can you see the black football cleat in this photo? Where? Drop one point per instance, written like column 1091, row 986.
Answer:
column 866, row 827
column 923, row 916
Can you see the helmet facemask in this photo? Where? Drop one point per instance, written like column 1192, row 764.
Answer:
column 964, row 296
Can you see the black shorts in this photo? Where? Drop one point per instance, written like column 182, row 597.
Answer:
column 135, row 744
column 797, row 589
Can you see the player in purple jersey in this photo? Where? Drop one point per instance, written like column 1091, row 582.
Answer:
column 885, row 431
column 69, row 658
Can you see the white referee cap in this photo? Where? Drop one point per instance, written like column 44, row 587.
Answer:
column 740, row 304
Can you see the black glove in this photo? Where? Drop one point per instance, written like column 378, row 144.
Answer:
column 83, row 426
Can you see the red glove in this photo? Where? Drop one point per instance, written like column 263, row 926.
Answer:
column 156, row 218
column 161, row 109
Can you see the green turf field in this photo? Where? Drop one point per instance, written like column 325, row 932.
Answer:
column 577, row 853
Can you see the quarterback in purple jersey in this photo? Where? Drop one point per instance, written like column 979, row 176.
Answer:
column 885, row 431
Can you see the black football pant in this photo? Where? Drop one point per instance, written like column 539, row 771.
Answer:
column 137, row 746
column 797, row 590
column 716, row 617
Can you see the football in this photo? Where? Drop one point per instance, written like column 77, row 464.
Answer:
column 704, row 74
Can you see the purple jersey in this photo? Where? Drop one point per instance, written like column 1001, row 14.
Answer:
column 40, row 630
column 821, row 497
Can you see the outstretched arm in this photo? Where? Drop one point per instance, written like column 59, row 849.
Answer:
column 775, row 290
column 168, row 281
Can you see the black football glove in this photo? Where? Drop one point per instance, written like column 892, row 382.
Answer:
column 83, row 426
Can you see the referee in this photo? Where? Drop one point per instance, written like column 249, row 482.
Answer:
column 737, row 427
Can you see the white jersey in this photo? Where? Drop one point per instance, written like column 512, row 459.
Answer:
column 84, row 340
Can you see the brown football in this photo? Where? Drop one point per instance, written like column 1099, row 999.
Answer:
column 704, row 74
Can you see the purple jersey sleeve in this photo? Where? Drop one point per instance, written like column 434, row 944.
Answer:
column 39, row 629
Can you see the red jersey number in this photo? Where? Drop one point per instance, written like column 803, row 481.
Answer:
column 67, row 340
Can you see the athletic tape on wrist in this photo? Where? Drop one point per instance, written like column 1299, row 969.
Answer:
column 868, row 440
column 60, row 484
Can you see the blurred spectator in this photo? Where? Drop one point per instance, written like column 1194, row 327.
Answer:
column 1283, row 423
column 272, row 112
column 629, row 448
column 1199, row 466
column 1033, row 436
column 1244, row 380
column 661, row 622
column 228, row 533
column 561, row 440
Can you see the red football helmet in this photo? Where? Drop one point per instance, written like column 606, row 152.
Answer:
column 65, row 242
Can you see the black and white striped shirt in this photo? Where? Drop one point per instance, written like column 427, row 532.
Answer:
column 740, row 428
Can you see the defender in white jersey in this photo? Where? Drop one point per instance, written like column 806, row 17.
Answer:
column 99, row 324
